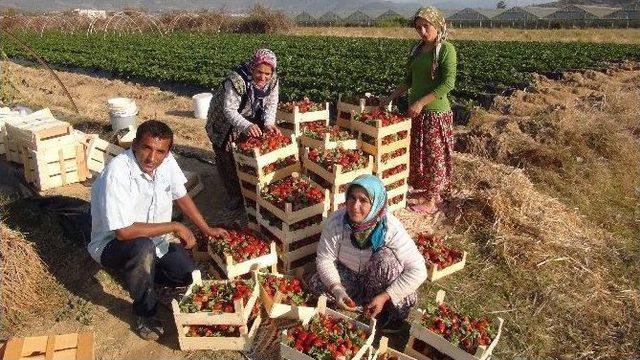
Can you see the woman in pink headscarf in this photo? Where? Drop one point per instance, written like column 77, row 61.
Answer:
column 244, row 104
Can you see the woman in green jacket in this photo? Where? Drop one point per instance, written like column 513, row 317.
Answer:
column 430, row 76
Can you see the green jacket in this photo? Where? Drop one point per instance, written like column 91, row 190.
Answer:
column 418, row 76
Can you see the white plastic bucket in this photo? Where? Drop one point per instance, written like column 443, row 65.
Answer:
column 122, row 112
column 201, row 105
column 121, row 122
column 123, row 107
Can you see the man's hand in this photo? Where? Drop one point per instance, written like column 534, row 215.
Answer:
column 273, row 128
column 254, row 130
column 215, row 232
column 375, row 306
column 185, row 235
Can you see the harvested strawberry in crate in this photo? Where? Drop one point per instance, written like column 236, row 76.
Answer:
column 349, row 160
column 284, row 297
column 297, row 191
column 216, row 302
column 327, row 336
column 269, row 141
column 304, row 105
column 441, row 259
column 386, row 118
column 453, row 333
column 241, row 251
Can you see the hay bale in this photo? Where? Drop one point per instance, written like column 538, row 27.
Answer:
column 28, row 288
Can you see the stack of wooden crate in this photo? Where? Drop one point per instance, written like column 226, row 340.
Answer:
column 336, row 179
column 190, row 324
column 347, row 108
column 48, row 149
column 297, row 232
column 294, row 123
column 262, row 169
column 5, row 115
column 389, row 146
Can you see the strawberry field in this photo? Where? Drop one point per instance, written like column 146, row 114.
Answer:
column 318, row 67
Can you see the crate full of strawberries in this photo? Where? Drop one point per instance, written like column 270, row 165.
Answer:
column 327, row 137
column 293, row 199
column 301, row 111
column 327, row 335
column 380, row 123
column 242, row 251
column 384, row 352
column 220, row 337
column 449, row 332
column 259, row 152
column 216, row 302
column 441, row 259
column 284, row 297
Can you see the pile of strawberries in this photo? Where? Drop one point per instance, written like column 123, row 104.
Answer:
column 394, row 170
column 388, row 118
column 463, row 331
column 299, row 192
column 267, row 169
column 268, row 142
column 217, row 297
column 327, row 337
column 220, row 330
column 335, row 132
column 305, row 105
column 350, row 160
column 291, row 288
column 434, row 250
column 387, row 139
column 242, row 245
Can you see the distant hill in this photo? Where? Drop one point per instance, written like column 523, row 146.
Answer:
column 609, row 3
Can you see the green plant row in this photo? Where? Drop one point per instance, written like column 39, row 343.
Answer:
column 317, row 67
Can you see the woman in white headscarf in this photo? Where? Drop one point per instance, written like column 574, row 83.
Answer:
column 430, row 76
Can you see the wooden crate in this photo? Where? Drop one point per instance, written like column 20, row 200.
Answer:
column 100, row 153
column 434, row 274
column 336, row 178
column 378, row 131
column 125, row 140
column 258, row 161
column 296, row 128
column 194, row 184
column 241, row 343
column 32, row 130
column 384, row 352
column 263, row 178
column 346, row 110
column 284, row 234
column 76, row 346
column 297, row 117
column 239, row 317
column 232, row 269
column 390, row 179
column 275, row 309
column 439, row 343
column 288, row 215
column 55, row 166
column 298, row 267
column 287, row 352
column 326, row 143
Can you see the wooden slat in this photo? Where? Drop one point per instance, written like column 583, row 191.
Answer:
column 13, row 349
column 51, row 348
column 85, row 349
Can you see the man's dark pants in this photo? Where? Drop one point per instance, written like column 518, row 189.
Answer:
column 137, row 261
